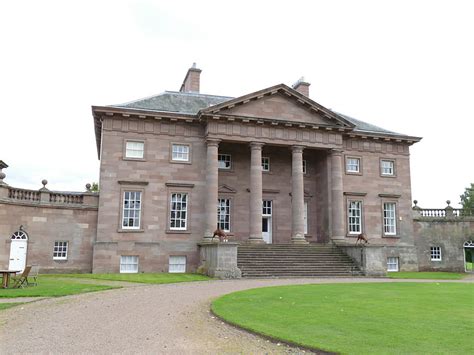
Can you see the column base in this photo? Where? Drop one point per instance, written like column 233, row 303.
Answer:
column 256, row 241
column 299, row 241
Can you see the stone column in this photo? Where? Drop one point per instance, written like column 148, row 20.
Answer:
column 337, row 207
column 255, row 217
column 297, row 196
column 212, row 176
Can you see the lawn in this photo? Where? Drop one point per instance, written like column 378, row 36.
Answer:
column 52, row 287
column 382, row 318
column 151, row 278
column 427, row 275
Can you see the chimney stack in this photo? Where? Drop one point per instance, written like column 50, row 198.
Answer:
column 302, row 86
column 191, row 81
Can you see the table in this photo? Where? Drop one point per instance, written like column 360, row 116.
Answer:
column 6, row 276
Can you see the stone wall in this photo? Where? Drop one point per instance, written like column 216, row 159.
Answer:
column 49, row 216
column 449, row 231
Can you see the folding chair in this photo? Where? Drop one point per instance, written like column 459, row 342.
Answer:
column 32, row 279
column 22, row 280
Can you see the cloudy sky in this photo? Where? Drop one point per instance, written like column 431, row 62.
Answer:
column 407, row 66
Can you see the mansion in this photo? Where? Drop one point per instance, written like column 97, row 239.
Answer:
column 269, row 167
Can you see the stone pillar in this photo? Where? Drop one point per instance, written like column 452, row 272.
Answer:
column 297, row 196
column 255, row 209
column 337, row 207
column 212, row 176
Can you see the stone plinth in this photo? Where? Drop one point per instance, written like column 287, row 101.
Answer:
column 219, row 260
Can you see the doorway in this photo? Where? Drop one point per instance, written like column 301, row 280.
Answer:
column 18, row 250
column 267, row 221
column 469, row 256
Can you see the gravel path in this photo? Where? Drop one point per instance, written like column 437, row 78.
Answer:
column 171, row 318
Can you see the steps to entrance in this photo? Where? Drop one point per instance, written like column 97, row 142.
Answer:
column 290, row 260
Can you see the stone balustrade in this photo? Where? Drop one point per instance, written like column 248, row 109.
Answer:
column 440, row 213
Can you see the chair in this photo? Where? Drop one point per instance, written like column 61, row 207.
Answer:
column 22, row 280
column 32, row 279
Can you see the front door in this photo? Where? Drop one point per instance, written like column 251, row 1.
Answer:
column 267, row 221
column 18, row 249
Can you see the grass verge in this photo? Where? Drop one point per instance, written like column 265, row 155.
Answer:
column 148, row 278
column 52, row 287
column 385, row 318
column 427, row 275
column 9, row 305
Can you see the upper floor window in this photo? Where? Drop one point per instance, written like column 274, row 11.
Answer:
column 435, row 253
column 224, row 161
column 179, row 211
column 354, row 213
column 60, row 250
column 265, row 163
column 389, row 218
column 131, row 209
column 134, row 149
column 387, row 167
column 352, row 165
column 180, row 152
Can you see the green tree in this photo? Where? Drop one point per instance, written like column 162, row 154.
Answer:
column 467, row 199
column 95, row 187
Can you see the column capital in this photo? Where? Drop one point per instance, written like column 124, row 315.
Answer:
column 256, row 145
column 212, row 142
column 336, row 151
column 297, row 148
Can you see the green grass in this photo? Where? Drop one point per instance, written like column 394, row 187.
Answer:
column 8, row 305
column 427, row 275
column 469, row 266
column 152, row 278
column 382, row 318
column 52, row 287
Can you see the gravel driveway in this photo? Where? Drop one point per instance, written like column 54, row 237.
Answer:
column 157, row 319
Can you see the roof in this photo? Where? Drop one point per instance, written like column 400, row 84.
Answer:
column 179, row 102
column 192, row 103
column 3, row 165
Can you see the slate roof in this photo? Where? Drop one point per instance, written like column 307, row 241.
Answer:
column 191, row 103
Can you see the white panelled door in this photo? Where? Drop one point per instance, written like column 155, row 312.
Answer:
column 18, row 249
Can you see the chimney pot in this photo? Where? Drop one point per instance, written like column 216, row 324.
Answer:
column 302, row 86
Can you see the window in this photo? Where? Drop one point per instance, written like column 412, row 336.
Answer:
column 435, row 253
column 177, row 264
column 128, row 264
column 305, row 217
column 392, row 264
column 178, row 211
column 267, row 207
column 134, row 149
column 131, row 209
column 387, row 167
column 223, row 214
column 353, row 165
column 224, row 161
column 389, row 218
column 304, row 166
column 60, row 251
column 180, row 152
column 265, row 163
column 354, row 213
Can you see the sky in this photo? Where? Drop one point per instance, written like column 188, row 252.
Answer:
column 407, row 66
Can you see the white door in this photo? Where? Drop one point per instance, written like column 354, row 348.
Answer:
column 267, row 221
column 18, row 249
column 267, row 229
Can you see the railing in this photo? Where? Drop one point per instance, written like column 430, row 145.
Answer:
column 447, row 212
column 23, row 194
column 60, row 197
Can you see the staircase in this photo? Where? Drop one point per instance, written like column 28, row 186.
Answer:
column 290, row 260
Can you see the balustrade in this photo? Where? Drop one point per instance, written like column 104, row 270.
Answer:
column 23, row 194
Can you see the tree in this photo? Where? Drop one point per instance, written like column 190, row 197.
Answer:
column 467, row 199
column 95, row 187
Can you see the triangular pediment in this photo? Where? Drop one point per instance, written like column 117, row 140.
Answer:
column 222, row 189
column 279, row 103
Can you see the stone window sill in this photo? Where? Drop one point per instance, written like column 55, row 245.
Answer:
column 130, row 230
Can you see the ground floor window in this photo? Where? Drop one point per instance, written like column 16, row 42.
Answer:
column 305, row 217
column 177, row 264
column 354, row 213
column 223, row 214
column 178, row 211
column 60, row 250
column 392, row 264
column 129, row 264
column 389, row 218
column 435, row 253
